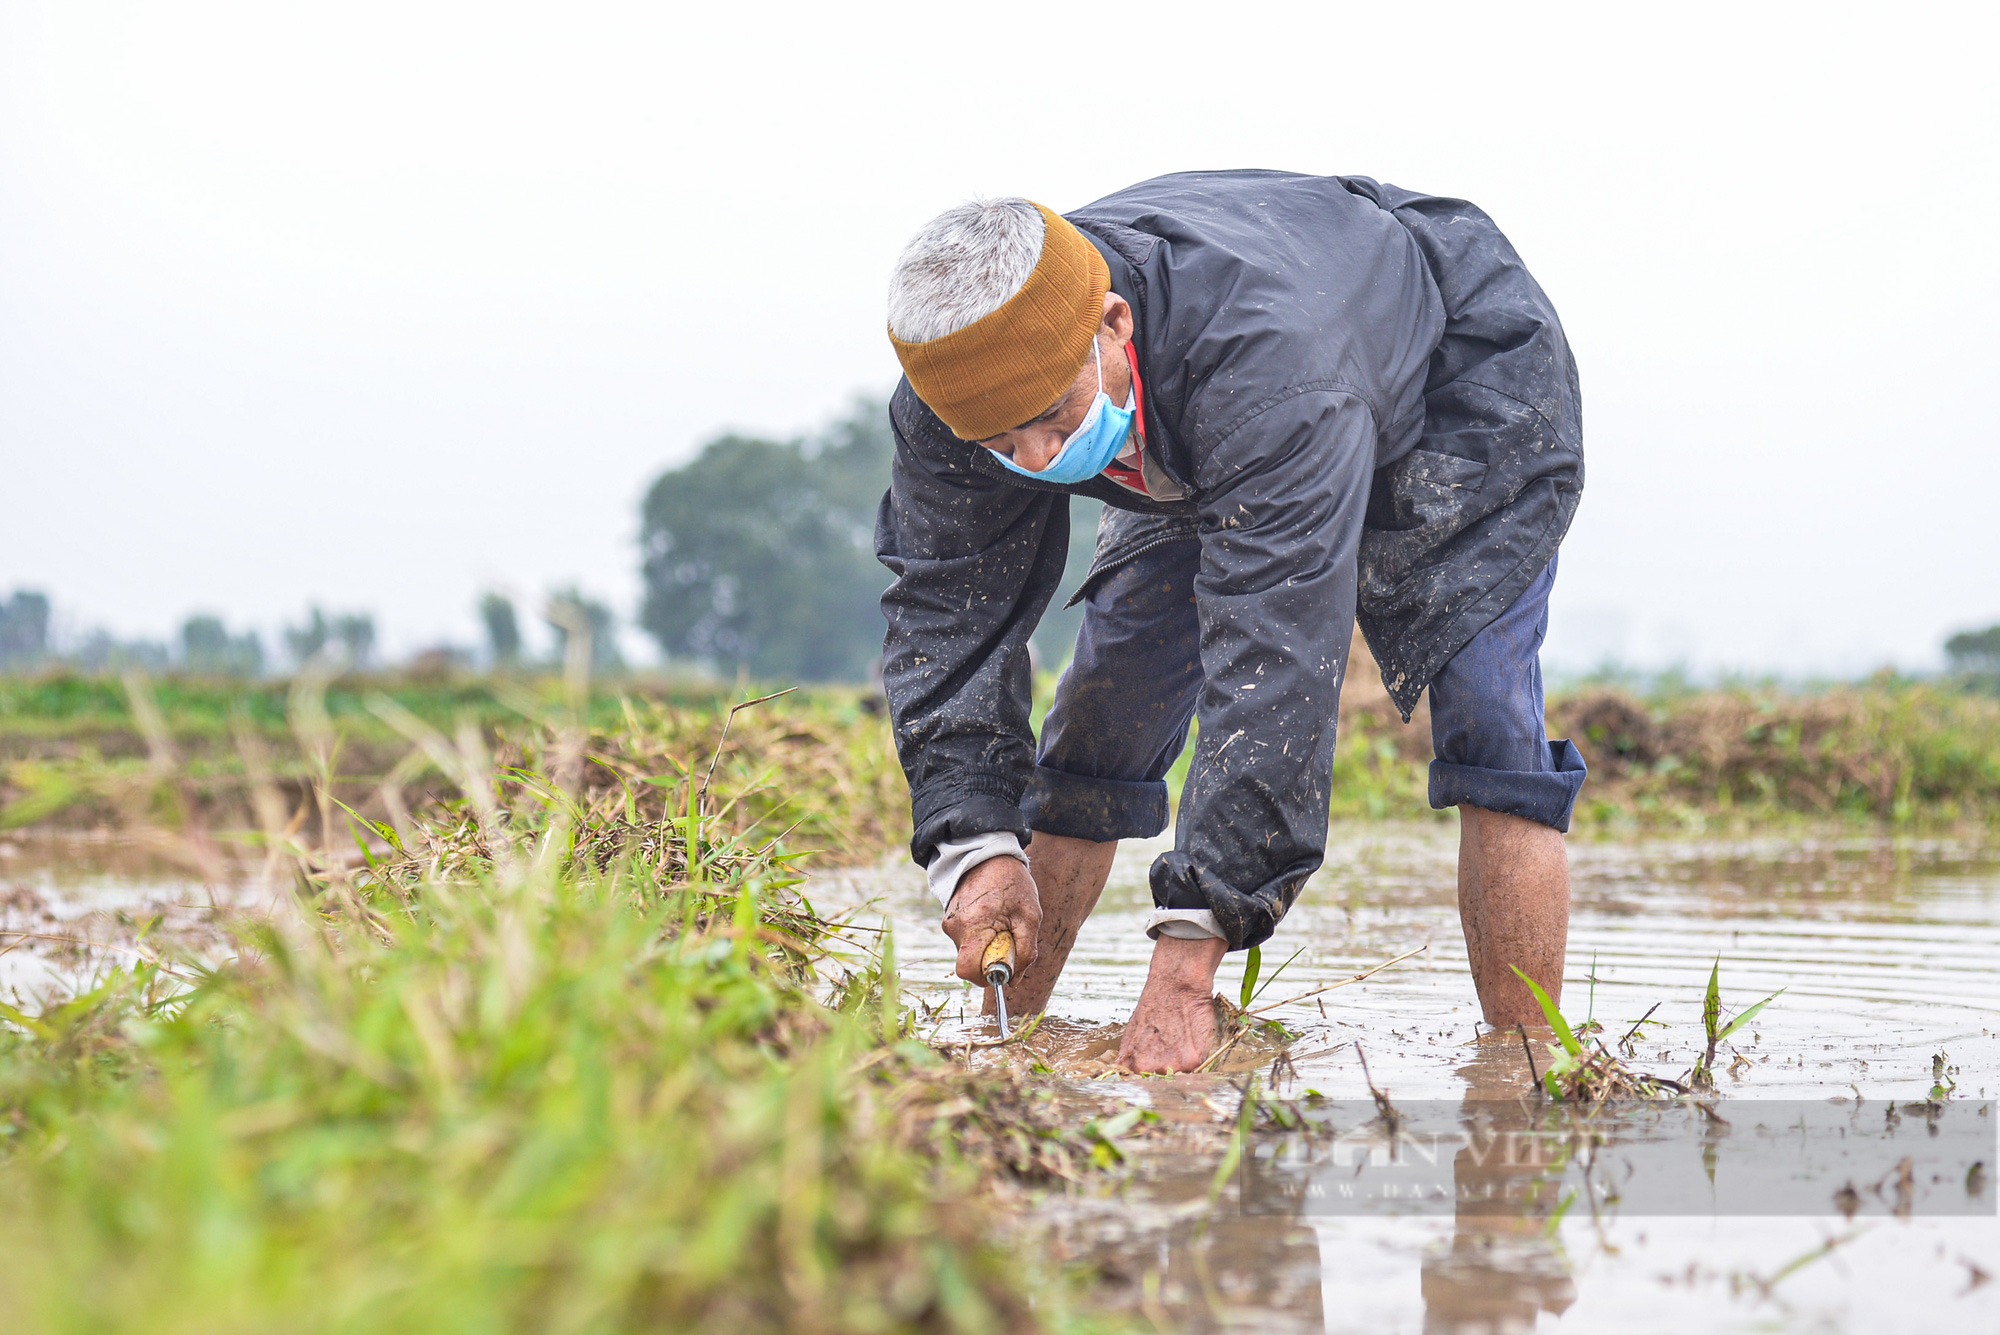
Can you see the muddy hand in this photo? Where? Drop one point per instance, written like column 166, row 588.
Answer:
column 996, row 896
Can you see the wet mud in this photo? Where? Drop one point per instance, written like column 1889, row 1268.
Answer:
column 1842, row 1179
column 71, row 902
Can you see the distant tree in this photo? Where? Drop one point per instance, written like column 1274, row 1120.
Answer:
column 204, row 644
column 24, row 630
column 503, row 629
column 760, row 554
column 151, row 655
column 1975, row 650
column 305, row 642
column 101, row 651
column 568, row 607
column 356, row 633
column 352, row 633
column 208, row 647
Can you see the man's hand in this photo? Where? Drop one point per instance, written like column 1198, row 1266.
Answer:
column 997, row 895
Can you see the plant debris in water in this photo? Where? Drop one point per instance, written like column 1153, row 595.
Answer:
column 1591, row 1075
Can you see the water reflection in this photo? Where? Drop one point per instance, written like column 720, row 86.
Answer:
column 1503, row 1266
column 1522, row 1178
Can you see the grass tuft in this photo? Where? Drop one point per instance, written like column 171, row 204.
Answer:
column 567, row 1052
column 1589, row 1075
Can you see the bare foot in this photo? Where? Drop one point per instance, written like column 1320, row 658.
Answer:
column 1173, row 1026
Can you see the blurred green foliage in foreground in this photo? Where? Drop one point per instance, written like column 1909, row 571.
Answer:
column 566, row 1053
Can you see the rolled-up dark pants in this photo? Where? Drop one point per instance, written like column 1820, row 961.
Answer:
column 1122, row 710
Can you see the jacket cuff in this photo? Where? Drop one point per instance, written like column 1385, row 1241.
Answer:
column 1079, row 807
column 1545, row 796
column 963, row 804
column 1242, row 919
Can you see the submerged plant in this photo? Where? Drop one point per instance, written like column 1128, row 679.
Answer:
column 1703, row 1074
column 1589, row 1075
column 1943, row 1077
column 1592, row 1074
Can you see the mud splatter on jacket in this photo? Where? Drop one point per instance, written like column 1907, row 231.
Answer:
column 1368, row 400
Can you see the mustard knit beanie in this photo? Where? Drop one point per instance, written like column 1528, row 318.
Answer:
column 1008, row 366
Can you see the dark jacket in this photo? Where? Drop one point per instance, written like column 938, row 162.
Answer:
column 1362, row 391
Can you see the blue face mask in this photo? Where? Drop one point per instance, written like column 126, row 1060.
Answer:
column 1091, row 446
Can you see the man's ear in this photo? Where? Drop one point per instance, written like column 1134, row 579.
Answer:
column 1117, row 318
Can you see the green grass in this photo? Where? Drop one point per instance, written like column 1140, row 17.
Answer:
column 1885, row 752
column 72, row 705
column 1888, row 751
column 78, row 752
column 527, row 1065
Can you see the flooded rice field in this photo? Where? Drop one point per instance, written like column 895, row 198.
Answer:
column 1789, row 1209
column 68, row 902
column 1843, row 1181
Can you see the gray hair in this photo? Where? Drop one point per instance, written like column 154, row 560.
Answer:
column 963, row 265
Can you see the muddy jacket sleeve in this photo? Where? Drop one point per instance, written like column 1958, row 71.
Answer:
column 1282, row 496
column 975, row 562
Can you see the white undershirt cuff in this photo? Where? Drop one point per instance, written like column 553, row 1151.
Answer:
column 1183, row 925
column 959, row 856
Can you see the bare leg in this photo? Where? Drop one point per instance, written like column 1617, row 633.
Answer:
column 1513, row 900
column 1069, row 876
column 1173, row 1026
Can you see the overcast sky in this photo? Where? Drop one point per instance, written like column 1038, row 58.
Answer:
column 383, row 305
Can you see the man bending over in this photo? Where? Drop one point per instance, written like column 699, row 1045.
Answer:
column 1301, row 399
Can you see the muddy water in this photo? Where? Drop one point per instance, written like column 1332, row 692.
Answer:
column 1889, row 954
column 69, row 905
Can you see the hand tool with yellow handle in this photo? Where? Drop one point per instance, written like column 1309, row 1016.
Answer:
column 998, row 966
